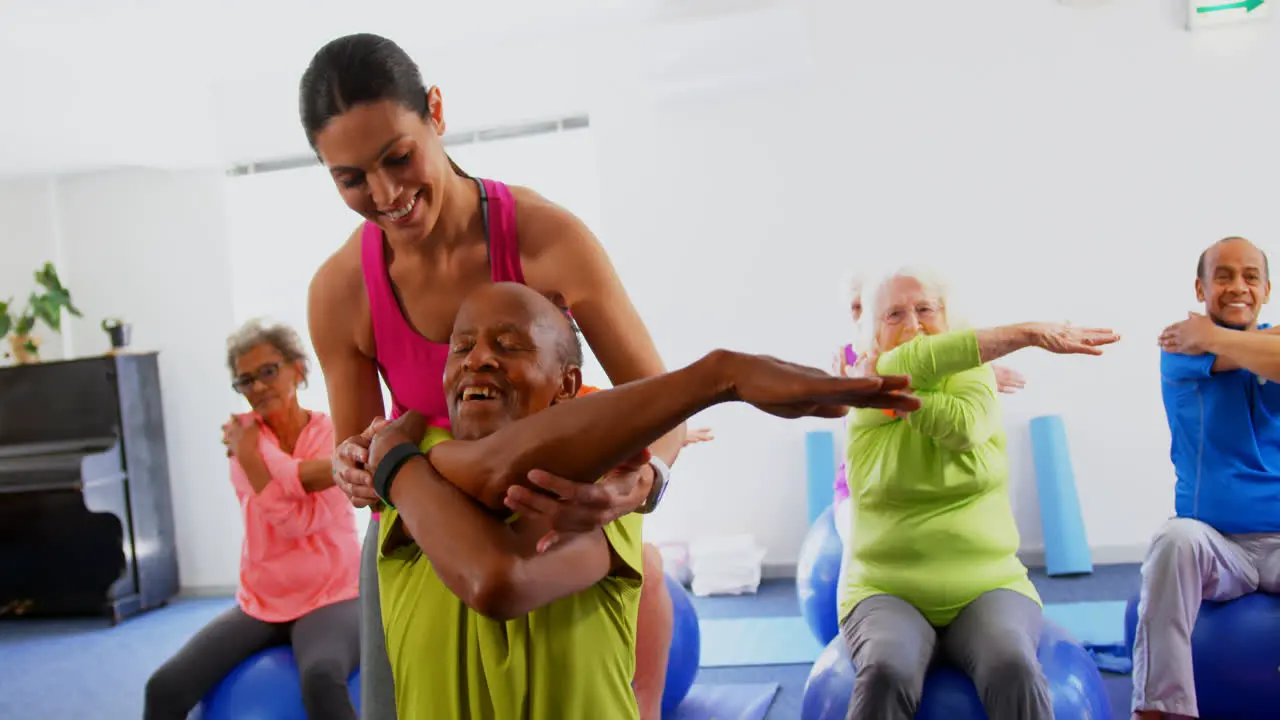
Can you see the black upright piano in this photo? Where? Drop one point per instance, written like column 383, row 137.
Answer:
column 86, row 521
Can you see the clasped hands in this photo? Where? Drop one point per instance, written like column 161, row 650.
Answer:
column 240, row 436
column 565, row 506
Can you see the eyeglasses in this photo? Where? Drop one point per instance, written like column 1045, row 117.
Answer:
column 924, row 311
column 266, row 374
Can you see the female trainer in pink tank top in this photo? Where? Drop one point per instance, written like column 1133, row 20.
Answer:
column 384, row 304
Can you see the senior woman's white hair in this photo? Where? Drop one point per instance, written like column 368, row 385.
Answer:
column 870, row 288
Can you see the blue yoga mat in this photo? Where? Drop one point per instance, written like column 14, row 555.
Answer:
column 739, row 642
column 820, row 471
column 1066, row 547
column 1092, row 623
column 1099, row 626
column 745, row 701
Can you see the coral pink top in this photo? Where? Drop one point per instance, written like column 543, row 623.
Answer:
column 300, row 549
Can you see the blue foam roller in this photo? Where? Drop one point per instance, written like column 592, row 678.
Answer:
column 1066, row 546
column 820, row 469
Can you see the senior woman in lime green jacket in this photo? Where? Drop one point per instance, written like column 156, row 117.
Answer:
column 932, row 565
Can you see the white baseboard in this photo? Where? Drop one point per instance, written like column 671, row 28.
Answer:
column 778, row 571
column 207, row 591
column 1031, row 557
column 1102, row 555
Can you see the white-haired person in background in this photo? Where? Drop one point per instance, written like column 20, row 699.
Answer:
column 1008, row 381
column 932, row 562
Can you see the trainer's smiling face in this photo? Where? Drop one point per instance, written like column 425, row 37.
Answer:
column 388, row 163
column 504, row 360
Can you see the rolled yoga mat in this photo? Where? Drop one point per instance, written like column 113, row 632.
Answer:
column 820, row 471
column 1066, row 546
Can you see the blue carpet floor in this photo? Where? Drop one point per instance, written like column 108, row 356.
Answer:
column 65, row 669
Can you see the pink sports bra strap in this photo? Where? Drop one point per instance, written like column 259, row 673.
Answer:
column 504, row 243
column 377, row 282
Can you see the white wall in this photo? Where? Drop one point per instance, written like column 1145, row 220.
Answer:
column 150, row 247
column 719, row 230
column 28, row 218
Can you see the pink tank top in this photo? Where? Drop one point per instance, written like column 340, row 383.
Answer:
column 411, row 365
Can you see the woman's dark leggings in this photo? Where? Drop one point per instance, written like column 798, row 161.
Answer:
column 326, row 645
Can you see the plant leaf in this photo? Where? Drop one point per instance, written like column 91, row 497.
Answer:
column 6, row 322
column 49, row 310
column 62, row 299
column 25, row 324
column 30, row 347
column 47, row 276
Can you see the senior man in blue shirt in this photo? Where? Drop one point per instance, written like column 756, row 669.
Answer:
column 1220, row 373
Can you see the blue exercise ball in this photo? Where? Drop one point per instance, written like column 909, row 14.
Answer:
column 1235, row 650
column 686, row 647
column 818, row 577
column 1074, row 684
column 264, row 687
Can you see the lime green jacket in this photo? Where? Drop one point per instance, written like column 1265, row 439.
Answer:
column 929, row 493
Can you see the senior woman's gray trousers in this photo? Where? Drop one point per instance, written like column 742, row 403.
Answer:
column 1189, row 562
column 377, row 687
column 993, row 640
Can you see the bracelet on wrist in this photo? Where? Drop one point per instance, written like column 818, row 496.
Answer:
column 389, row 467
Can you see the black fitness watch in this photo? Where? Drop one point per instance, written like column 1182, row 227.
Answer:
column 391, row 463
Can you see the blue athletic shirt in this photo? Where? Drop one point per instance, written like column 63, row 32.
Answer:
column 1226, row 443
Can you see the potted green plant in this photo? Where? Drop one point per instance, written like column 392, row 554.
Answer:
column 43, row 307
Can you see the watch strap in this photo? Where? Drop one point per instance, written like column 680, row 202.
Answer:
column 391, row 463
column 661, row 475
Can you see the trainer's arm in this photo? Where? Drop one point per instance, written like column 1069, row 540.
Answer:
column 350, row 377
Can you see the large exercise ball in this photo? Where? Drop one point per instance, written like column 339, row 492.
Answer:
column 1074, row 684
column 686, row 647
column 1235, row 654
column 264, row 687
column 818, row 577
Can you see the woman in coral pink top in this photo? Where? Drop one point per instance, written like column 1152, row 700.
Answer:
column 300, row 560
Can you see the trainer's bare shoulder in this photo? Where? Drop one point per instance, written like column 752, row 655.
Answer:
column 338, row 302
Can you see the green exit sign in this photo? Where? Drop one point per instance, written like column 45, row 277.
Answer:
column 1210, row 13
